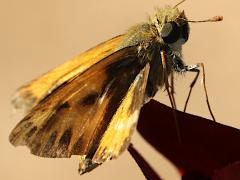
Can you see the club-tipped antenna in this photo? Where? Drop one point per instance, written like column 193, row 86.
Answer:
column 213, row 19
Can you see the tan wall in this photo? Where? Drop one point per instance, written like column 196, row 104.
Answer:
column 36, row 36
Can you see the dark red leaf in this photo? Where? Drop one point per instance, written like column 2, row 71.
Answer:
column 231, row 172
column 146, row 169
column 206, row 145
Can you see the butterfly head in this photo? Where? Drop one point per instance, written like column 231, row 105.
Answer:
column 171, row 24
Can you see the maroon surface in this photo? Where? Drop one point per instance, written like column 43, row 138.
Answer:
column 145, row 167
column 231, row 172
column 206, row 146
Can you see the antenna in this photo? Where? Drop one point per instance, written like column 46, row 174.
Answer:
column 213, row 19
column 179, row 3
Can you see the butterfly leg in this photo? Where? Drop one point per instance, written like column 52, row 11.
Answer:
column 172, row 89
column 163, row 58
column 165, row 77
column 195, row 68
column 191, row 68
column 179, row 66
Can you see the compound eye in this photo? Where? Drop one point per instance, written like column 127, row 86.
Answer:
column 170, row 32
column 185, row 31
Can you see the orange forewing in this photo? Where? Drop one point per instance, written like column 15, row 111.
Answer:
column 30, row 94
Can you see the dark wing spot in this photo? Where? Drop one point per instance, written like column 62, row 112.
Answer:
column 77, row 146
column 49, row 123
column 66, row 137
column 89, row 99
column 31, row 132
column 49, row 144
column 63, row 106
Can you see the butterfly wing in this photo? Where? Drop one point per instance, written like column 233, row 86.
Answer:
column 30, row 94
column 91, row 115
column 117, row 136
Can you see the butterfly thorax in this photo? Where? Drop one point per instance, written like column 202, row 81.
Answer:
column 167, row 30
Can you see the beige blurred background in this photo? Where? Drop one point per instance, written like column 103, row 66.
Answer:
column 36, row 36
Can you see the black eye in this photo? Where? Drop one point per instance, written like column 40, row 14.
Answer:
column 185, row 31
column 170, row 32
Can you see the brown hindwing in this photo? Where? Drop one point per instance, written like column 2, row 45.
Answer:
column 73, row 119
